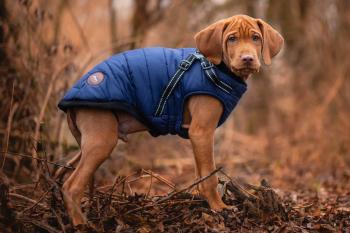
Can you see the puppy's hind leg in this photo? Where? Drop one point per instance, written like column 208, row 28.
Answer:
column 99, row 135
column 71, row 120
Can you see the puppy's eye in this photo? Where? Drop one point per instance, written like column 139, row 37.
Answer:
column 232, row 38
column 255, row 38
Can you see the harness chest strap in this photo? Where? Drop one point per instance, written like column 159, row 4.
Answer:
column 184, row 65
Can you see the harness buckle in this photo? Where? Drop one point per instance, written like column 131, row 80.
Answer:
column 184, row 65
column 198, row 55
column 206, row 65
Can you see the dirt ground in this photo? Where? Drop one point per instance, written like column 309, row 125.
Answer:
column 159, row 195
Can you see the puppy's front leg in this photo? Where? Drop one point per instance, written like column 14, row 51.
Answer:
column 205, row 113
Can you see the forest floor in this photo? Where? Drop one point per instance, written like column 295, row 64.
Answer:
column 39, row 208
column 164, row 199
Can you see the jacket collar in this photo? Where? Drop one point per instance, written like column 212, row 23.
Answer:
column 223, row 68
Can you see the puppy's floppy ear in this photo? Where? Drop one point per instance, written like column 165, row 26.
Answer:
column 272, row 41
column 209, row 41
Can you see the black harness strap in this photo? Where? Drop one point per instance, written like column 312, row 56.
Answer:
column 207, row 66
column 184, row 65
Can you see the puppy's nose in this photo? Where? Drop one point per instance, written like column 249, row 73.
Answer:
column 247, row 59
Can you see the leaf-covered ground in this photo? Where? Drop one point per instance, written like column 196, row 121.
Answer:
column 38, row 207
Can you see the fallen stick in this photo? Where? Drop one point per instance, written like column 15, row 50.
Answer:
column 27, row 199
column 160, row 178
column 41, row 225
column 150, row 186
column 59, row 220
column 37, row 202
column 240, row 190
column 190, row 186
column 39, row 159
column 175, row 193
column 13, row 109
column 61, row 171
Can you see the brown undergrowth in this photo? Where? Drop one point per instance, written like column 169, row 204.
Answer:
column 38, row 207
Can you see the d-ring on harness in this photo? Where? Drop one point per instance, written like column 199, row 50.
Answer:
column 184, row 65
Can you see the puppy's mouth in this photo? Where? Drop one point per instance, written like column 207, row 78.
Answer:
column 245, row 71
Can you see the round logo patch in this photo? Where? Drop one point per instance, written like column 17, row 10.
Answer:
column 95, row 78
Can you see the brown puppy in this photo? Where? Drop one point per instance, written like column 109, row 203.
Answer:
column 239, row 42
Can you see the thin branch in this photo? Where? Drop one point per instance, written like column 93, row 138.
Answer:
column 78, row 26
column 38, row 159
column 9, row 126
column 59, row 220
column 190, row 186
column 175, row 193
column 43, row 108
column 61, row 171
column 160, row 178
column 106, row 50
column 37, row 202
column 236, row 184
column 41, row 225
column 150, row 185
column 27, row 199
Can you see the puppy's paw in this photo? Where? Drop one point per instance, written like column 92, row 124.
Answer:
column 218, row 205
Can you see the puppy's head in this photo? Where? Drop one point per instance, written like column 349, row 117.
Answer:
column 239, row 41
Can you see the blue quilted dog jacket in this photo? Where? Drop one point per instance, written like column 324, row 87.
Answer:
column 135, row 81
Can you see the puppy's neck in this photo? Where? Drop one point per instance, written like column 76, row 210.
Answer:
column 245, row 78
column 223, row 67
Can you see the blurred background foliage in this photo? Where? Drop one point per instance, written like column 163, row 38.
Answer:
column 292, row 126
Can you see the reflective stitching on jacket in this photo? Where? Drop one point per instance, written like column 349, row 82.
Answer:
column 222, row 88
column 172, row 88
column 163, row 95
column 177, row 77
column 184, row 65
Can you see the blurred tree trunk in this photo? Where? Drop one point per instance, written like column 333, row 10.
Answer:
column 3, row 16
column 291, row 16
column 113, row 25
column 57, row 23
column 146, row 14
column 3, row 61
column 250, row 6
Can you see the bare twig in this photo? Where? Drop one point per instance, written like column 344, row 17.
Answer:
column 160, row 178
column 39, row 159
column 62, row 170
column 37, row 202
column 65, row 196
column 332, row 93
column 175, row 193
column 78, row 26
column 9, row 126
column 130, row 189
column 59, row 220
column 190, row 186
column 92, row 58
column 150, row 185
column 116, row 182
column 41, row 225
column 27, row 199
column 236, row 184
column 43, row 108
